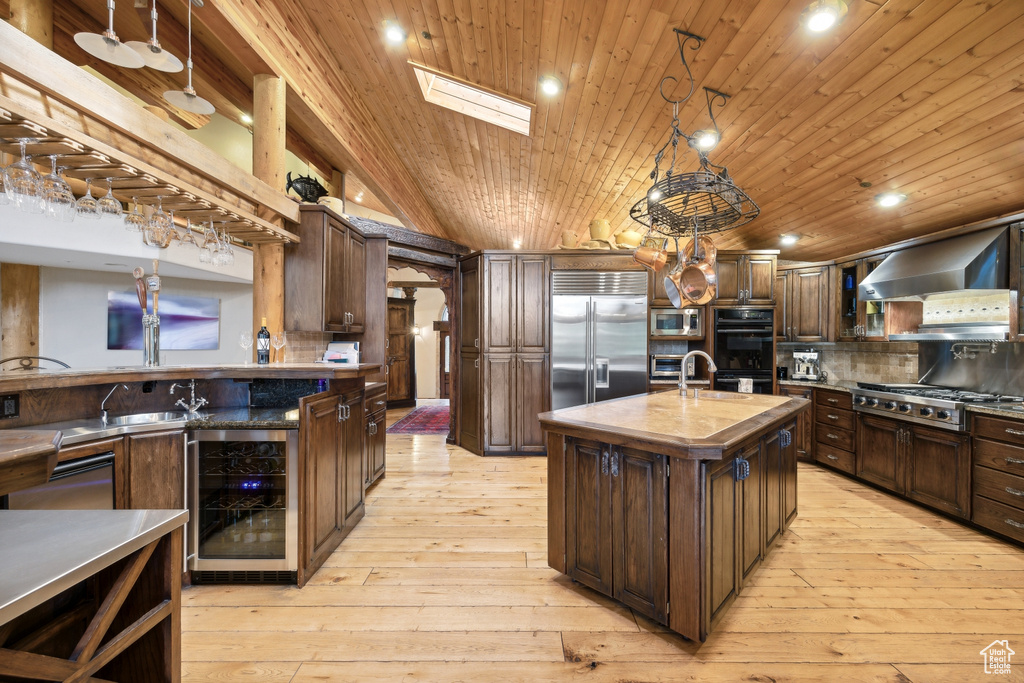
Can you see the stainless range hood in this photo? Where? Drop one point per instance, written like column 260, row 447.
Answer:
column 968, row 265
column 974, row 261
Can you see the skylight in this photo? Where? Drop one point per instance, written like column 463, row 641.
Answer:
column 466, row 98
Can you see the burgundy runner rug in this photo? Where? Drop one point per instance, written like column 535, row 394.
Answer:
column 423, row 420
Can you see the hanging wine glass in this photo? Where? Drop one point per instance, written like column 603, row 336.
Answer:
column 135, row 221
column 210, row 245
column 187, row 99
column 58, row 199
column 87, row 203
column 152, row 53
column 157, row 227
column 171, row 234
column 5, row 197
column 107, row 47
column 108, row 205
column 24, row 183
column 189, row 239
column 225, row 255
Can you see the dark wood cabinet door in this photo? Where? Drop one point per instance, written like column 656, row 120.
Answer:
column 499, row 402
column 321, row 491
column 640, row 524
column 760, row 280
column 722, row 531
column 783, row 313
column 499, row 333
column 751, row 499
column 470, row 402
column 773, row 486
column 532, row 301
column 532, row 398
column 377, row 447
column 335, row 279
column 352, row 446
column 938, row 467
column 156, row 470
column 401, row 356
column 588, row 514
column 727, row 268
column 879, row 451
column 803, row 437
column 789, row 486
column 469, row 322
column 810, row 305
column 355, row 281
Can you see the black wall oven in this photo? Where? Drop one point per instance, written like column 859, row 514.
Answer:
column 744, row 348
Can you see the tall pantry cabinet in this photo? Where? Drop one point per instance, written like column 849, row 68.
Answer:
column 505, row 346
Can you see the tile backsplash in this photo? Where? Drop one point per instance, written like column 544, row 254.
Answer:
column 889, row 362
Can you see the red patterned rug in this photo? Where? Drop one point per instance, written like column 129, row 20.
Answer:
column 423, row 420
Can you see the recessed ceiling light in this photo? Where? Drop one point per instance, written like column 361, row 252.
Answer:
column 550, row 86
column 889, row 199
column 358, row 197
column 516, row 244
column 394, row 34
column 788, row 239
column 822, row 15
column 245, row 118
column 705, row 140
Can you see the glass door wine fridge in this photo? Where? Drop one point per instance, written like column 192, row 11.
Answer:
column 244, row 501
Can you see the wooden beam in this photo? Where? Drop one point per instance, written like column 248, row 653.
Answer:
column 268, row 164
column 412, row 256
column 34, row 18
column 408, row 238
column 414, row 284
column 19, row 310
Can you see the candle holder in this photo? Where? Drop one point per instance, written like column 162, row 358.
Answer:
column 151, row 340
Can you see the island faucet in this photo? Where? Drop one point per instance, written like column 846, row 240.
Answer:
column 193, row 404
column 103, row 403
column 683, row 387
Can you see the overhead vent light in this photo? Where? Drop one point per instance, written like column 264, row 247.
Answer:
column 451, row 92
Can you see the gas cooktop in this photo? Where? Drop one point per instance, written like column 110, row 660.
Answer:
column 925, row 404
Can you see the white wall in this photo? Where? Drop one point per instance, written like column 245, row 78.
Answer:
column 73, row 318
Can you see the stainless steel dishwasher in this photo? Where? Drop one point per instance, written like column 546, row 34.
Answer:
column 81, row 484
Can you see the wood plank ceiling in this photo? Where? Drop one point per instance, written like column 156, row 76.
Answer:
column 924, row 97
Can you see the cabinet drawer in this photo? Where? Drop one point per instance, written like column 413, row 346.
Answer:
column 833, row 417
column 836, row 457
column 1006, row 488
column 834, row 437
column 833, row 399
column 1000, row 456
column 999, row 429
column 1000, row 518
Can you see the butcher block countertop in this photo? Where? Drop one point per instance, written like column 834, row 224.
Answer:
column 665, row 422
column 50, row 379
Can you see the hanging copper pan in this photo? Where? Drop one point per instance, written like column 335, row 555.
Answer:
column 707, row 252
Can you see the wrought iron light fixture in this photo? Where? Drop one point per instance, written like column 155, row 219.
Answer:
column 707, row 200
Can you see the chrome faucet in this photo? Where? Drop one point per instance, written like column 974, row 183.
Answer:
column 103, row 403
column 683, row 387
column 193, row 404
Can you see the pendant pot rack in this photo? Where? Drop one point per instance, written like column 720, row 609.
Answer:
column 706, row 200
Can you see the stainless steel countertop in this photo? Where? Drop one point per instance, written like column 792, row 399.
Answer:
column 48, row 551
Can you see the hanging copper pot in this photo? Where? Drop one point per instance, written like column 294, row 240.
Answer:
column 698, row 283
column 651, row 258
column 707, row 251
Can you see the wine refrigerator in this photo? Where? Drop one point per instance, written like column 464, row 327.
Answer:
column 243, row 505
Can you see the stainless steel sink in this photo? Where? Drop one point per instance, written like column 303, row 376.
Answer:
column 145, row 418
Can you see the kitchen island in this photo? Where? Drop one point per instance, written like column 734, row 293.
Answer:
column 669, row 503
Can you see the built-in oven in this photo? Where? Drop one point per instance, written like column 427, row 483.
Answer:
column 677, row 323
column 243, row 505
column 744, row 348
column 80, row 484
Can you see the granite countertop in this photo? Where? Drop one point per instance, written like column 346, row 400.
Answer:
column 681, row 426
column 245, row 418
column 71, row 377
column 834, row 384
column 1011, row 411
column 48, row 551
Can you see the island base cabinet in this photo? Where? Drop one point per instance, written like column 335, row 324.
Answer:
column 616, row 531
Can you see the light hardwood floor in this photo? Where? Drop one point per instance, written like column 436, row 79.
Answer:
column 446, row 580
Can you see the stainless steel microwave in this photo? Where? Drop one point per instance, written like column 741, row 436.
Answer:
column 666, row 366
column 681, row 323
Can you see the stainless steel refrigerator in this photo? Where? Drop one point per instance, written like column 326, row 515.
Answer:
column 598, row 336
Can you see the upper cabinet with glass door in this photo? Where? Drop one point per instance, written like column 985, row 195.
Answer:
column 858, row 320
